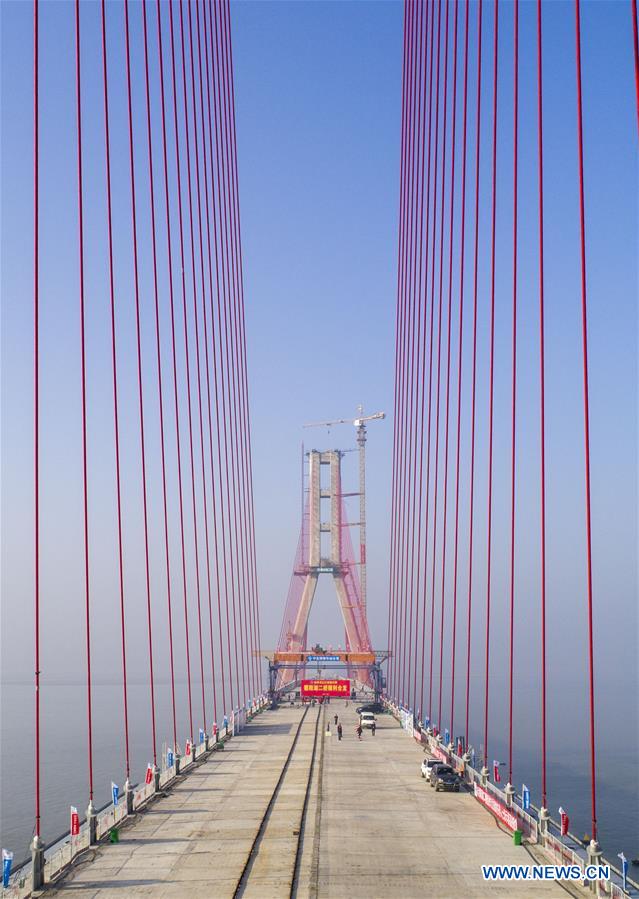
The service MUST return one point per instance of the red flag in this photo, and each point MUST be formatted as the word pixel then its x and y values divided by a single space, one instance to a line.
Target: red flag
pixel 496 774
pixel 149 774
pixel 75 822
pixel 188 747
pixel 565 822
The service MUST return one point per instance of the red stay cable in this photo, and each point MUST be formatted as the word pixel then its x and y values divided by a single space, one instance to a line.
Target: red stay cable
pixel 207 542
pixel 176 404
pixel 85 478
pixel 206 352
pixel 414 699
pixel 413 380
pixel 430 368
pixel 635 46
pixel 424 270
pixel 239 483
pixel 116 416
pixel 542 406
pixel 139 372
pixel 230 381
pixel 474 376
pixel 421 339
pixel 158 355
pixel 36 400
pixel 492 382
pixel 584 337
pixel 448 354
pixel 440 323
pixel 430 352
pixel 245 433
pixel 398 308
pixel 462 256
pixel 408 250
pixel 221 269
pixel 514 388
pixel 402 388
pixel 208 45
pixel 187 353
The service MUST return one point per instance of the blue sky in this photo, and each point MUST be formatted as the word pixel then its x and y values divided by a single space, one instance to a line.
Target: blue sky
pixel 318 92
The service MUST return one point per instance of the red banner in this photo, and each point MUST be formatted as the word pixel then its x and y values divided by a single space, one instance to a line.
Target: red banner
pixel 314 688
pixel 75 822
pixel 496 807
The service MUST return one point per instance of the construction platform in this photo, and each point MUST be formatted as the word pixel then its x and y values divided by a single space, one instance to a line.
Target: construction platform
pixel 286 810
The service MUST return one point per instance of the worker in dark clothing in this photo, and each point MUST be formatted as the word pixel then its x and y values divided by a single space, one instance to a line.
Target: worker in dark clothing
pixel 373 728
pixel 358 731
pixel 335 719
pixel 339 731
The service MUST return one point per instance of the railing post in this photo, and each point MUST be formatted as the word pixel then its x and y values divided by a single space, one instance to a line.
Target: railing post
pixel 128 792
pixel 593 855
pixel 156 778
pixel 37 862
pixel 92 823
pixel 510 792
pixel 484 776
pixel 543 824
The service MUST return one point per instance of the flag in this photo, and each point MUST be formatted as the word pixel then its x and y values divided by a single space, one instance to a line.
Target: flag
pixel 201 736
pixel 7 861
pixel 525 797
pixel 496 774
pixel 565 822
pixel 188 748
pixel 624 870
pixel 149 774
pixel 447 736
pixel 115 792
pixel 473 758
pixel 460 747
pixel 169 758
pixel 75 822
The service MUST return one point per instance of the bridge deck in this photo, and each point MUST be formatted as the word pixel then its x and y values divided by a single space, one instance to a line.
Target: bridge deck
pixel 374 829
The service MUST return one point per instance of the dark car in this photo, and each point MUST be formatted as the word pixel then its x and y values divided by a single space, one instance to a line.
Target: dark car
pixel 443 777
pixel 375 707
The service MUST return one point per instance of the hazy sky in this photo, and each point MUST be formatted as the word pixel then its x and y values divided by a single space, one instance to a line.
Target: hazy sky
pixel 318 93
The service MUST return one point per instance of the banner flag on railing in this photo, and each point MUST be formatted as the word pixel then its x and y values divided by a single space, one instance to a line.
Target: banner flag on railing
pixel 496 774
pixel 565 822
pixel 115 792
pixel 7 861
pixel 149 774
pixel 447 736
pixel 201 736
pixel 624 870
pixel 187 751
pixel 75 822
pixel 525 797
pixel 169 758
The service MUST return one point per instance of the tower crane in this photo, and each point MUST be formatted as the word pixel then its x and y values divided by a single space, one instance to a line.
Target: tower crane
pixel 360 424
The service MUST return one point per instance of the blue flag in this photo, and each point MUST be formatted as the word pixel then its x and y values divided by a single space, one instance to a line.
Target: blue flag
pixel 447 736
pixel 115 792
pixel 624 869
pixel 169 758
pixel 7 861
pixel 201 735
pixel 472 759
pixel 525 797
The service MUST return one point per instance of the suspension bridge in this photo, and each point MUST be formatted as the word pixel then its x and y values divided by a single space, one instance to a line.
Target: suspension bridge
pixel 250 788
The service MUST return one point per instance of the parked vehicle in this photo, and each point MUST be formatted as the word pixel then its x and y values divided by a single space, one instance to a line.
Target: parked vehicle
pixel 443 777
pixel 376 707
pixel 427 767
pixel 367 719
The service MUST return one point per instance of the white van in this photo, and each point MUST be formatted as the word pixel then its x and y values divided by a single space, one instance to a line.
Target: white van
pixel 367 719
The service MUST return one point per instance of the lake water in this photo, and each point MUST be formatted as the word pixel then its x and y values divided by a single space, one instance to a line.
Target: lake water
pixel 64 769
